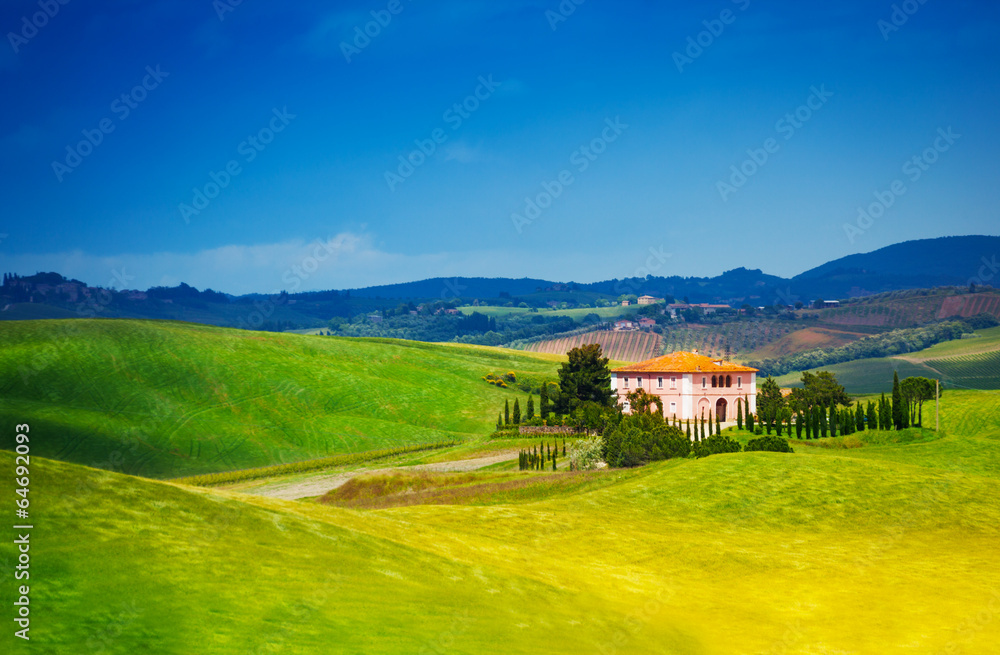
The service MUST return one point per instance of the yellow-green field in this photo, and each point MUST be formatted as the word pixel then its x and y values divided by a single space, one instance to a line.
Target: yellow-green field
pixel 888 548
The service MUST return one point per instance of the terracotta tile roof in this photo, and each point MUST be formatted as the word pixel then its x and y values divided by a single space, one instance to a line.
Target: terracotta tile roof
pixel 683 362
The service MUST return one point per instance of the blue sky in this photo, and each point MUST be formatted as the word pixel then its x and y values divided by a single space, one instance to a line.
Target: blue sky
pixel 549 84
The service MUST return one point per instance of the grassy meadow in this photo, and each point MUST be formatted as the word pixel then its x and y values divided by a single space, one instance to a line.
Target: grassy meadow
pixel 876 542
pixel 889 547
pixel 163 399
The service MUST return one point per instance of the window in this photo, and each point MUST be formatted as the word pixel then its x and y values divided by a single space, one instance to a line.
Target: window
pixel 714 382
pixel 673 382
pixel 626 383
pixel 659 383
pixel 739 382
pixel 673 409
pixel 638 383
pixel 729 380
pixel 704 382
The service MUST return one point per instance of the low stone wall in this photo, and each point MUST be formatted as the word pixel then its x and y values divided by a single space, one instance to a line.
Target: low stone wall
pixel 546 429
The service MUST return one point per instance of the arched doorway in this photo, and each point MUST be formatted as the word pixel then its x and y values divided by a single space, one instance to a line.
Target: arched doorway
pixel 720 409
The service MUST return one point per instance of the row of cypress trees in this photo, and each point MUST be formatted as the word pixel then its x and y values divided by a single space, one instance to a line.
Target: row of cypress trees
pixel 537 459
pixel 702 429
pixel 507 418
pixel 818 421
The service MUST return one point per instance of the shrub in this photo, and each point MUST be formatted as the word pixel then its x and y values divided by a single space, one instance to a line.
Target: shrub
pixel 586 453
pixel 716 445
pixel 642 438
pixel 768 444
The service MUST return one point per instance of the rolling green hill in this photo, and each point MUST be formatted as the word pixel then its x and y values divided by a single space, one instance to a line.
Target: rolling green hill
pixel 969 363
pixel 165 399
pixel 880 549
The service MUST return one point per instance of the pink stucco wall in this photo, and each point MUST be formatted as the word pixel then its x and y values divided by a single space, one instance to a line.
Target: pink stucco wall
pixel 685 396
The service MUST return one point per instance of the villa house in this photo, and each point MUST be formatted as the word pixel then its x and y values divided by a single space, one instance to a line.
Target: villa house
pixel 689 385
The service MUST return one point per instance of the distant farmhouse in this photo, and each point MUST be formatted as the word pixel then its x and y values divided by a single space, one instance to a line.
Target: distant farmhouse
pixel 650 300
pixel 706 308
pixel 689 385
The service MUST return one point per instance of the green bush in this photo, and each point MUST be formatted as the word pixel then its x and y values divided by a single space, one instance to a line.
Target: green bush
pixel 642 438
pixel 768 444
pixel 717 444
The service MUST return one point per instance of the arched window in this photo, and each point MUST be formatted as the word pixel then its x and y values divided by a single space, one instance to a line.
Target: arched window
pixel 729 380
pixel 714 381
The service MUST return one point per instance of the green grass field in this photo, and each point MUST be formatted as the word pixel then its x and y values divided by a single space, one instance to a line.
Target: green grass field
pixel 891 545
pixel 981 341
pixel 864 376
pixel 167 399
pixel 884 548
pixel 972 363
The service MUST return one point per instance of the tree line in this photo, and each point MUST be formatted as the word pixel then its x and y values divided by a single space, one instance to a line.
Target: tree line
pixel 881 345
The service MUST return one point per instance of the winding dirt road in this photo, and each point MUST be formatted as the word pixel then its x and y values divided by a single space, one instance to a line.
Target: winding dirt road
pixel 320 484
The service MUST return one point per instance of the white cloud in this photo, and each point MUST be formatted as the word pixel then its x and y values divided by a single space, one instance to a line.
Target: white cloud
pixel 347 260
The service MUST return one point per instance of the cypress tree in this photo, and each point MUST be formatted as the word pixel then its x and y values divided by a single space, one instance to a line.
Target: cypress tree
pixel 543 402
pixel 701 435
pixel 833 420
pixel 778 424
pixel 564 446
pixel 718 425
pixel 531 407
pixel 516 417
pixel 506 413
pixel 897 403
pixel 750 420
pixel 798 425
pixel 710 423
pixel 687 422
pixel 821 416
pixel 739 414
pixel 807 419
pixel 499 421
pixel 872 417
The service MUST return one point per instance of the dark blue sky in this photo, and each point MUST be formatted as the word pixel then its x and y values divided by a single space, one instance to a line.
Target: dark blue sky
pixel 661 179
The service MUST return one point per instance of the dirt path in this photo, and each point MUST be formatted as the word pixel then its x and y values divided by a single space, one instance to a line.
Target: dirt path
pixel 319 485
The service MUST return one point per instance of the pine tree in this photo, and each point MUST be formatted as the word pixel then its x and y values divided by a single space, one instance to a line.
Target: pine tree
pixel 531 407
pixel 897 403
pixel 885 418
pixel 543 402
pixel 506 413
pixel 739 414
pixel 516 417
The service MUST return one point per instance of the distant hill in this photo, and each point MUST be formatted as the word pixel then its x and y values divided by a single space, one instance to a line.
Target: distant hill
pixel 919 264
pixel 922 264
